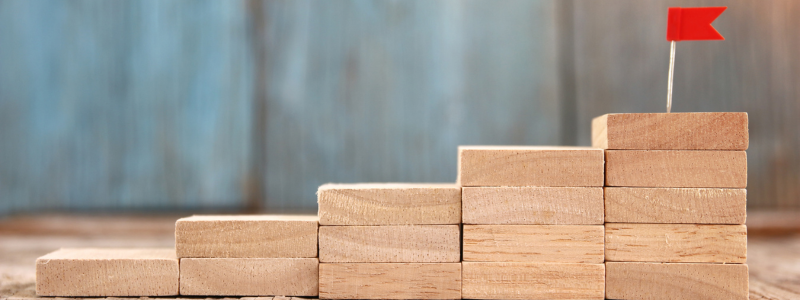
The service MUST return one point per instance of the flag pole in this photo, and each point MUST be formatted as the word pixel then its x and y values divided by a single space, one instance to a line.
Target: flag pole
pixel 671 71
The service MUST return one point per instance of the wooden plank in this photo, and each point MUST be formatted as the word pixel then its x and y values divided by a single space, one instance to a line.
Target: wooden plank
pixel 534 243
pixel 243 236
pixel 249 276
pixel 518 280
pixel 676 243
pixel 385 244
pixel 88 272
pixel 656 281
pixel 532 205
pixel 389 204
pixel 671 131
pixel 675 205
pixel 676 168
pixel 530 166
pixel 390 281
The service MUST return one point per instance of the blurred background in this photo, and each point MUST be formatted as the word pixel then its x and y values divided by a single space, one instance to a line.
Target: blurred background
pixel 163 106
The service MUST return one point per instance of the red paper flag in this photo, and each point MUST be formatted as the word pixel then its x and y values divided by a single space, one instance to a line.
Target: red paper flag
pixel 693 23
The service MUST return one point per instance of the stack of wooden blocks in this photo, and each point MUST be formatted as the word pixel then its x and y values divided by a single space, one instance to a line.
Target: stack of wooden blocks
pixel 654 210
pixel 247 255
pixel 675 202
pixel 389 241
pixel 533 222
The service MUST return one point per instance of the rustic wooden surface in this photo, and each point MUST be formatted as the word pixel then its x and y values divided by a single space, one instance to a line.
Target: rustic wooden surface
pixel 773 247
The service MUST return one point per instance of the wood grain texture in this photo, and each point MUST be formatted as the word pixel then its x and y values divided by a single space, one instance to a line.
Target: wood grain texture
pixel 87 272
pixel 530 166
pixel 390 244
pixel 249 276
pixel 532 205
pixel 657 281
pixel 390 281
pixel 675 205
pixel 534 243
pixel 389 204
pixel 671 131
pixel 242 236
pixel 517 280
pixel 676 168
pixel 676 243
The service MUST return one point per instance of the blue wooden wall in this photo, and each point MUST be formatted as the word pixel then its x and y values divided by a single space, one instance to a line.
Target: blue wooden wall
pixel 123 104
pixel 185 105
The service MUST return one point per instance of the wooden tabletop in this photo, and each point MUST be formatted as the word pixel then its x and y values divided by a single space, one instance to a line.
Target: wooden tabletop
pixel 773 246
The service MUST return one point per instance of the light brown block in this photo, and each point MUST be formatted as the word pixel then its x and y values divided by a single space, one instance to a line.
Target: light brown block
pixel 393 244
pixel 530 166
pixel 533 205
pixel 671 131
pixel 518 280
pixel 390 281
pixel 249 276
pixel 676 168
pixel 676 205
pixel 246 236
pixel 534 243
pixel 389 204
pixel 676 243
pixel 657 281
pixel 90 272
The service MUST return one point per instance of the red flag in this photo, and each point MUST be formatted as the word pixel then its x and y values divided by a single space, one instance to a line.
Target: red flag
pixel 693 23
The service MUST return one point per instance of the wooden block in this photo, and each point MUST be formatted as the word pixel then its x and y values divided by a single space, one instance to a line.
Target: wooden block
pixel 521 280
pixel 90 272
pixel 529 166
pixel 676 205
pixel 249 276
pixel 396 243
pixel 390 281
pixel 676 168
pixel 676 243
pixel 246 236
pixel 671 131
pixel 534 243
pixel 656 281
pixel 389 204
pixel 533 205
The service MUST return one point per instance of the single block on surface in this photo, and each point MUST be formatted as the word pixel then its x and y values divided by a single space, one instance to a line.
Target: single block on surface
pixel 530 166
pixel 249 276
pixel 389 204
pixel 389 244
pixel 675 205
pixel 92 272
pixel 390 281
pixel 676 168
pixel 671 131
pixel 666 281
pixel 534 243
pixel 246 236
pixel 676 243
pixel 525 280
pixel 532 205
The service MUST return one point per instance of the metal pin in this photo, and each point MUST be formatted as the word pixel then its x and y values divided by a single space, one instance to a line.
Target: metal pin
pixel 671 71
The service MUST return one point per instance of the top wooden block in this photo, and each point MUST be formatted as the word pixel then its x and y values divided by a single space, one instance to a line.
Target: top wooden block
pixel 389 204
pixel 671 131
pixel 247 236
pixel 530 166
